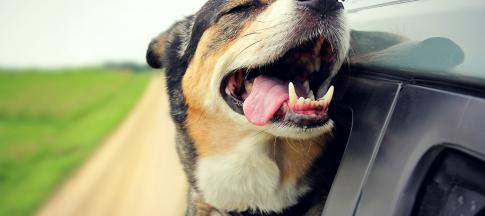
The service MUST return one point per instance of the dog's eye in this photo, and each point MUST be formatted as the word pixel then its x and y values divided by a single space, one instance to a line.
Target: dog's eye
pixel 239 9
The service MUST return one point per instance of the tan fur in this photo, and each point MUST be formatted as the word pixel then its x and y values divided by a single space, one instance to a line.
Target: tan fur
pixel 234 3
pixel 215 133
pixel 159 44
pixel 237 165
pixel 266 1
pixel 200 71
pixel 206 127
pixel 203 209
pixel 294 157
pixel 215 136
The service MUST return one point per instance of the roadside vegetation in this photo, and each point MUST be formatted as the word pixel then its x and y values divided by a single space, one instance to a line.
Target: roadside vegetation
pixel 50 121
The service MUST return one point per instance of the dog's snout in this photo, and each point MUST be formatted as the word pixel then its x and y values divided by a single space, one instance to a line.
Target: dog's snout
pixel 322 6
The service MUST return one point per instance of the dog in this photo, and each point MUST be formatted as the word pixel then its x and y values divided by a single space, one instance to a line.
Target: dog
pixel 249 83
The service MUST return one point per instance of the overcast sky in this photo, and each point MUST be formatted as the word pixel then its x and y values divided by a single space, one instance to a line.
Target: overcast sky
pixel 53 33
pixel 46 33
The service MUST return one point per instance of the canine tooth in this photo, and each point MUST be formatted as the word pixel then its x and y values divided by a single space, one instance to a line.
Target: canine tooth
pixel 292 93
pixel 328 96
pixel 311 95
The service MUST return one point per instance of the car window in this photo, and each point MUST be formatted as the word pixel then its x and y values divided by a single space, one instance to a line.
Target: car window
pixel 430 37
pixel 353 5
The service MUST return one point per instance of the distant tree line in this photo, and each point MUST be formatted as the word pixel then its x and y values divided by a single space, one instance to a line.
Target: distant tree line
pixel 135 67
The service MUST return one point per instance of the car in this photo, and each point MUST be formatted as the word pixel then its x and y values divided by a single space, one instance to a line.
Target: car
pixel 410 110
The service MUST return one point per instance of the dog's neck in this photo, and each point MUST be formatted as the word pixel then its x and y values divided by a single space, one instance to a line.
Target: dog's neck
pixel 240 169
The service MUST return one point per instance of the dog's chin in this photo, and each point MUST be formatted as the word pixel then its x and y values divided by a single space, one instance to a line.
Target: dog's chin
pixel 294 132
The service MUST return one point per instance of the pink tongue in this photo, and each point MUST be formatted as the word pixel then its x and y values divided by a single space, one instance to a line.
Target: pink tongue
pixel 265 99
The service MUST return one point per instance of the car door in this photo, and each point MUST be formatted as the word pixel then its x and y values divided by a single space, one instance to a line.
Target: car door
pixel 415 85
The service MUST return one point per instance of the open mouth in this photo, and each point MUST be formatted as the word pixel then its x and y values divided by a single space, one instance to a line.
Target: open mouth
pixel 285 91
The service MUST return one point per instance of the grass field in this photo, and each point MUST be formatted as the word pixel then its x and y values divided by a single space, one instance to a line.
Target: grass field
pixel 50 121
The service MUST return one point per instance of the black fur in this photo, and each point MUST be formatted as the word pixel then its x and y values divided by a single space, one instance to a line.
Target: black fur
pixel 183 38
pixel 152 59
pixel 206 16
pixel 175 68
pixel 186 32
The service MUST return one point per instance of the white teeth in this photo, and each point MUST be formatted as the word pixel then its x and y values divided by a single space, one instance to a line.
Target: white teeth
pixel 296 101
pixel 292 94
pixel 311 95
pixel 301 101
pixel 328 97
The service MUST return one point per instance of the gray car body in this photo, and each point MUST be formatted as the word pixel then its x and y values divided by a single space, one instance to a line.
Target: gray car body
pixel 422 91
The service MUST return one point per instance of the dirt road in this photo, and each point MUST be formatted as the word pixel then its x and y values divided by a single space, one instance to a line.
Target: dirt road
pixel 134 172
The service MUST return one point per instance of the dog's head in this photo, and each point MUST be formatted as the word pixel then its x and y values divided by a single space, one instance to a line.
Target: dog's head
pixel 260 64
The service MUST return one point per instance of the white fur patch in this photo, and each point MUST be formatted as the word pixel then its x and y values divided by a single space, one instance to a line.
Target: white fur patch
pixel 246 178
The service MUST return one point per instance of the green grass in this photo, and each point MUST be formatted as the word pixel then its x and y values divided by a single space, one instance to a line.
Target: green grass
pixel 50 122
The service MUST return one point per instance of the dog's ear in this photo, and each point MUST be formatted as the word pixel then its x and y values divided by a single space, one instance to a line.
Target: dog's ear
pixel 174 41
pixel 156 50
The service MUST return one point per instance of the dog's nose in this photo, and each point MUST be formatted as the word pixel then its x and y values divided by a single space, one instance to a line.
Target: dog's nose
pixel 322 6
